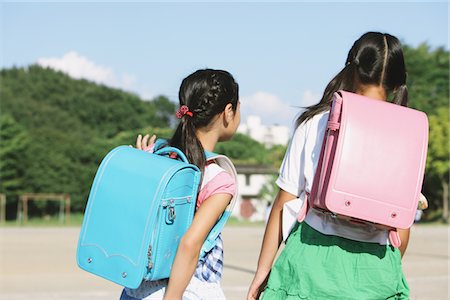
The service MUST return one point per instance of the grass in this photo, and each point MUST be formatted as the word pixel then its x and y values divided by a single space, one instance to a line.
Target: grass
pixel 76 219
pixel 49 221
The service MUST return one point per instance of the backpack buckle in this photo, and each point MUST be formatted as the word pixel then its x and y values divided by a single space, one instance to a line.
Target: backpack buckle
pixel 171 214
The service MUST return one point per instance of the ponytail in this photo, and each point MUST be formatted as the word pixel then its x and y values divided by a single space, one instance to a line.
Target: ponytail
pixel 400 95
pixel 186 140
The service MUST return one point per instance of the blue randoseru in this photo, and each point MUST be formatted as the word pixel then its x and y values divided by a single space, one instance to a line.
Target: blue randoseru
pixel 139 207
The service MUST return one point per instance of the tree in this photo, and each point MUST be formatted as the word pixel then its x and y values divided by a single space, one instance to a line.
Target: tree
pixel 428 86
pixel 69 126
pixel 428 77
pixel 13 142
pixel 242 148
pixel 438 153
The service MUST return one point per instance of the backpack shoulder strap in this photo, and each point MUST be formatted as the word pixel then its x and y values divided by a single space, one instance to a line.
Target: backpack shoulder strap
pixel 160 143
pixel 228 166
pixel 225 163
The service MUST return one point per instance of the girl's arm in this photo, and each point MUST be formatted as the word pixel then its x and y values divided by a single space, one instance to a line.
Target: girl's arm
pixel 404 237
pixel 271 242
pixel 190 245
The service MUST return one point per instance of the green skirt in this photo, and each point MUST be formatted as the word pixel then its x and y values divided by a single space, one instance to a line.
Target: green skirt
pixel 317 266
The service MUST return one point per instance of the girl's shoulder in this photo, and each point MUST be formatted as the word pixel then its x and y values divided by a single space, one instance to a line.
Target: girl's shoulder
pixel 311 127
pixel 316 120
pixel 216 175
pixel 215 180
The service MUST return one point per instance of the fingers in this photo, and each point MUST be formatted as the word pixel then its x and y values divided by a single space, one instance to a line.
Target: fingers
pixel 139 142
pixel 151 144
pixel 251 295
pixel 144 143
pixel 253 292
pixel 152 140
pixel 423 202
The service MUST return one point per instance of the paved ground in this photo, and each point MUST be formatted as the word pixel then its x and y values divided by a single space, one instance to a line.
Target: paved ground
pixel 39 263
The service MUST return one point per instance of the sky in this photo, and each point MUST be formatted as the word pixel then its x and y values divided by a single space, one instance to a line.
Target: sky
pixel 282 54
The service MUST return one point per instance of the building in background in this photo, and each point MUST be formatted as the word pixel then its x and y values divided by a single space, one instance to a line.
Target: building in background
pixel 252 179
pixel 268 135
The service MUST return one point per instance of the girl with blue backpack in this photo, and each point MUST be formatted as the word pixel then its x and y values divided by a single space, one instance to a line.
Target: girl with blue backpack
pixel 326 257
pixel 209 112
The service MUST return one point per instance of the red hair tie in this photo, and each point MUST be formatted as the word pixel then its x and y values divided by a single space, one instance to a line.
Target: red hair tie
pixel 183 110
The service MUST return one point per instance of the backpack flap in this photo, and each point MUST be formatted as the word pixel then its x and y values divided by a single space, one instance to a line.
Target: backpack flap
pixel 120 220
pixel 375 173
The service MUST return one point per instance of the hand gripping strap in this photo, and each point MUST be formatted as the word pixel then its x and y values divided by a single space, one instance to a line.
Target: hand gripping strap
pixel 228 166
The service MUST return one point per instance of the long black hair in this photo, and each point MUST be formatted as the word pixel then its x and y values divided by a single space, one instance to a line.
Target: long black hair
pixel 374 59
pixel 206 93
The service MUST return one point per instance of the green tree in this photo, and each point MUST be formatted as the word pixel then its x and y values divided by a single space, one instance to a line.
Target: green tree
pixel 70 125
pixel 13 142
pixel 428 77
pixel 428 86
pixel 438 162
pixel 243 149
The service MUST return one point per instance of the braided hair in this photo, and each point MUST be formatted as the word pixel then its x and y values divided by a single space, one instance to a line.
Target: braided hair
pixel 206 93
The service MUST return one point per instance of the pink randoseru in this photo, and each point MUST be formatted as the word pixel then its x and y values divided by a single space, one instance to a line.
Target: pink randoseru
pixel 373 162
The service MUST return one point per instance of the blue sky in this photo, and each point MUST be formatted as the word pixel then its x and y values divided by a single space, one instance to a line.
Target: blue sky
pixel 281 54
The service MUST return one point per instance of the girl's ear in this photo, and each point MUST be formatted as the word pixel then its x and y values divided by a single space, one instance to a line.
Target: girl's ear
pixel 229 113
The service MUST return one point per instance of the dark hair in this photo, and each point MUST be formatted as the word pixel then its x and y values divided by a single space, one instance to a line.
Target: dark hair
pixel 206 93
pixel 374 59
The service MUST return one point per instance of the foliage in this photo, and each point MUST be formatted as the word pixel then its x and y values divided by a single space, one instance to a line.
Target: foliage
pixel 438 149
pixel 55 130
pixel 428 77
pixel 13 142
pixel 428 85
pixel 438 164
pixel 269 191
pixel 242 148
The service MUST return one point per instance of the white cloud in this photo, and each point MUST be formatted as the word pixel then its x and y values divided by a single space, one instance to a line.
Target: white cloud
pixel 269 107
pixel 78 66
pixel 273 110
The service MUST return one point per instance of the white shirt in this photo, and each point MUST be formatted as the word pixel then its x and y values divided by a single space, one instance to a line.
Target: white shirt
pixel 296 176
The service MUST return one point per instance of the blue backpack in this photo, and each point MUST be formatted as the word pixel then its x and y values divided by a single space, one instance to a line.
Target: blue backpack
pixel 139 207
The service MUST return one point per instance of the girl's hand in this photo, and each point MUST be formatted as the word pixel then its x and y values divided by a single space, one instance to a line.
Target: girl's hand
pixel 423 202
pixel 143 143
pixel 258 285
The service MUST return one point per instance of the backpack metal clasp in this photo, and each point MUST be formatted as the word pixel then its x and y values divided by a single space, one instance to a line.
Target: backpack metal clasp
pixel 171 215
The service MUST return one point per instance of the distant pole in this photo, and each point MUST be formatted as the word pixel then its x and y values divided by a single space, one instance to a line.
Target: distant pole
pixel 445 201
pixel 2 208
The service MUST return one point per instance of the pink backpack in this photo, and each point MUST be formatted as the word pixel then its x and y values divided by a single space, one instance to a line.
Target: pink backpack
pixel 371 164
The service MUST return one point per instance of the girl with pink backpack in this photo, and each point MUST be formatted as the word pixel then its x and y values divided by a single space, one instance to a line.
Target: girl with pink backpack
pixel 327 257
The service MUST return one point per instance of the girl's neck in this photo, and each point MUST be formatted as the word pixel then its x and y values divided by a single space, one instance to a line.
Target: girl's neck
pixel 208 138
pixel 373 91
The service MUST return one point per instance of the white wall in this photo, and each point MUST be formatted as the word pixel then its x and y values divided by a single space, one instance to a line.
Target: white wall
pixel 268 135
